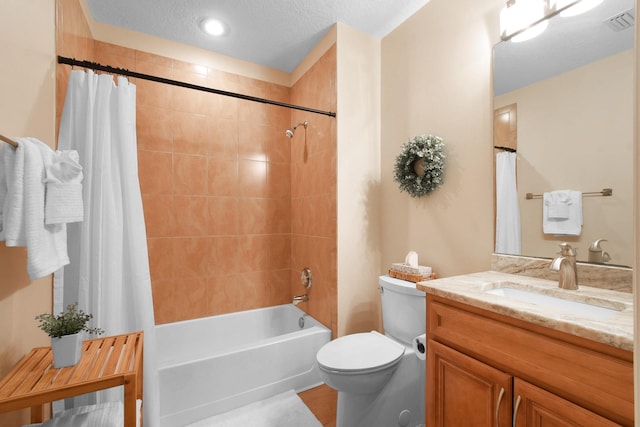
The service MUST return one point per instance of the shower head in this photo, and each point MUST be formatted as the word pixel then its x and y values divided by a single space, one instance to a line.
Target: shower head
pixel 289 132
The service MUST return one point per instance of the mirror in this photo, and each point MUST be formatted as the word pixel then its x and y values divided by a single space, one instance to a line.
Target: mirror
pixel 573 91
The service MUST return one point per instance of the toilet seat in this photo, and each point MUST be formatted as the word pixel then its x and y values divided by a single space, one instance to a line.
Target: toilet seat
pixel 360 353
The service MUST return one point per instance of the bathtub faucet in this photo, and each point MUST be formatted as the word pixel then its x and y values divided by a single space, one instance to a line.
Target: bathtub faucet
pixel 300 298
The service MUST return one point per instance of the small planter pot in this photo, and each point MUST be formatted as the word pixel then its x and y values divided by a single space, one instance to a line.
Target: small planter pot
pixel 66 350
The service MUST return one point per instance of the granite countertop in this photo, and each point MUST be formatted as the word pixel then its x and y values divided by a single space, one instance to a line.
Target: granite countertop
pixel 615 330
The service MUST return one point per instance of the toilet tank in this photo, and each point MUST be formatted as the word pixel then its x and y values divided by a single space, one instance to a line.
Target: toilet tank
pixel 403 309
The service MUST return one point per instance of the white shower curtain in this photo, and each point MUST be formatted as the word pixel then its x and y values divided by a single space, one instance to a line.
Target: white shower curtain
pixel 109 271
pixel 507 208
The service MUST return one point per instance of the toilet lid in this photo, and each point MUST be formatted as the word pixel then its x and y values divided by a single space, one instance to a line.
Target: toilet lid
pixel 359 352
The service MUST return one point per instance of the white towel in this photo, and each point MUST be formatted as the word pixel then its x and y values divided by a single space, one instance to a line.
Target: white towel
pixel 562 212
pixel 558 204
pixel 24 218
pixel 63 204
pixel 13 206
pixel 3 187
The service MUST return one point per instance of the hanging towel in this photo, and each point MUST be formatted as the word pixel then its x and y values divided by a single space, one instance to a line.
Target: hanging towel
pixel 558 204
pixel 508 234
pixel 562 212
pixel 13 204
pixel 63 203
pixel 3 187
pixel 24 219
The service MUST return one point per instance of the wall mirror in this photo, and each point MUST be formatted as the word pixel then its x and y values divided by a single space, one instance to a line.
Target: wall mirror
pixel 572 87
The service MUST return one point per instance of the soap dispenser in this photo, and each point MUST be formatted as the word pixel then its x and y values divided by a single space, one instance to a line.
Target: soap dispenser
pixel 596 254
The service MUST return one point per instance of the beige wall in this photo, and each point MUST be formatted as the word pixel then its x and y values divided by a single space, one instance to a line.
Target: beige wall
pixel 436 74
pixel 358 181
pixel 591 124
pixel 636 219
pixel 27 85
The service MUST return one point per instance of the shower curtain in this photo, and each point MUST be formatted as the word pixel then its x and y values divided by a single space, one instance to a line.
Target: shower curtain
pixel 109 271
pixel 507 208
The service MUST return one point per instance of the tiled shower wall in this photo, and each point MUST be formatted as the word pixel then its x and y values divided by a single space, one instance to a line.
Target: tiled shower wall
pixel 314 189
pixel 220 181
pixel 215 182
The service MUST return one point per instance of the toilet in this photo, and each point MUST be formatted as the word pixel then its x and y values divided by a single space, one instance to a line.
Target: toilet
pixel 379 378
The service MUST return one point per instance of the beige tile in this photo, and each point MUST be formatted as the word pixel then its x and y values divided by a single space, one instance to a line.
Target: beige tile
pixel 189 174
pixel 154 128
pixel 159 214
pixel 154 172
pixel 190 257
pixel 191 216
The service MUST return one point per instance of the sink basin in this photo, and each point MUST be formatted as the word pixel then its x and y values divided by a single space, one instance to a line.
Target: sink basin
pixel 577 308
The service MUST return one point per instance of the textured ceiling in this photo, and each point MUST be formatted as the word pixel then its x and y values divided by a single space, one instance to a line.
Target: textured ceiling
pixel 275 33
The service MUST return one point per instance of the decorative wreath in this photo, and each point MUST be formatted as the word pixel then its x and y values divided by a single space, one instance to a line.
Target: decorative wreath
pixel 419 167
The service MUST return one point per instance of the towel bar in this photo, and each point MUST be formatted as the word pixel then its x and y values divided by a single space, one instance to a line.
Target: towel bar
pixel 8 140
pixel 604 192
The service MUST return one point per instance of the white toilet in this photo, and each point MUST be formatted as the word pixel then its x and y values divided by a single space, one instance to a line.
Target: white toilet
pixel 379 378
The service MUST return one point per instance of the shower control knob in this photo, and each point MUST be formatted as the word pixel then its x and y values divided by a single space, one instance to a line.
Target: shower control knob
pixel 306 277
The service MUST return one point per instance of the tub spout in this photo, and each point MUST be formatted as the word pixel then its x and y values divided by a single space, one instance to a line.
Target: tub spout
pixel 300 298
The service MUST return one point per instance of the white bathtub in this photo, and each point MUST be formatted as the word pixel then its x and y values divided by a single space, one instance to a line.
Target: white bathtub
pixel 214 364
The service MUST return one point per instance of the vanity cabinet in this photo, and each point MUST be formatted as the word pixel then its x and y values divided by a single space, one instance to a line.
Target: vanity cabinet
pixel 534 406
pixel 465 392
pixel 484 367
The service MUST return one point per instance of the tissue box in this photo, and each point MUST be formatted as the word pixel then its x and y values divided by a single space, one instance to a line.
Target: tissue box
pixel 406 268
pixel 411 274
pixel 411 277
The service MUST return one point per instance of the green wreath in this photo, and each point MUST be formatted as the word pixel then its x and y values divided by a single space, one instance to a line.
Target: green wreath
pixel 419 167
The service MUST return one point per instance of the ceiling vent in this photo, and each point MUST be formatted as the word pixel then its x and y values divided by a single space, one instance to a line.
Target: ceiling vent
pixel 621 21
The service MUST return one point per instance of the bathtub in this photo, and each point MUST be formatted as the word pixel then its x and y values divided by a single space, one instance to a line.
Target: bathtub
pixel 212 365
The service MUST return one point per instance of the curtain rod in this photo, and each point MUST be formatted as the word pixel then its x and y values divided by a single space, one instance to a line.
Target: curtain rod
pixel 510 150
pixel 128 73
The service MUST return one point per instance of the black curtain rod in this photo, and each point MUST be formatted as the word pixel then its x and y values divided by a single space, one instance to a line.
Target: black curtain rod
pixel 511 150
pixel 128 73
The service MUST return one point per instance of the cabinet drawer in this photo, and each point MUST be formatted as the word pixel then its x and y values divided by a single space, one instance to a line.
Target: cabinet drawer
pixel 589 374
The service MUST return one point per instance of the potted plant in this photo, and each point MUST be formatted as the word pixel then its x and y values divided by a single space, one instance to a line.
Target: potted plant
pixel 65 331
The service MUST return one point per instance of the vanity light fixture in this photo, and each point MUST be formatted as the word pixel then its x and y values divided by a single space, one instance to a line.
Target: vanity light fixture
pixel 577 8
pixel 524 19
pixel 213 27
pixel 531 32
pixel 520 16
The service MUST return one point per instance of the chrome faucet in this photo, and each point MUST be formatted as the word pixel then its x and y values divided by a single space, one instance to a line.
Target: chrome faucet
pixel 300 298
pixel 566 265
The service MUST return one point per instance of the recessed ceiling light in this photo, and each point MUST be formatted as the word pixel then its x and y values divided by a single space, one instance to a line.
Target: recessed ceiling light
pixel 213 27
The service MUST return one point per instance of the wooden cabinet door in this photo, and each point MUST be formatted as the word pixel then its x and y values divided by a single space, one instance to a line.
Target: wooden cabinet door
pixel 505 127
pixel 462 391
pixel 535 407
